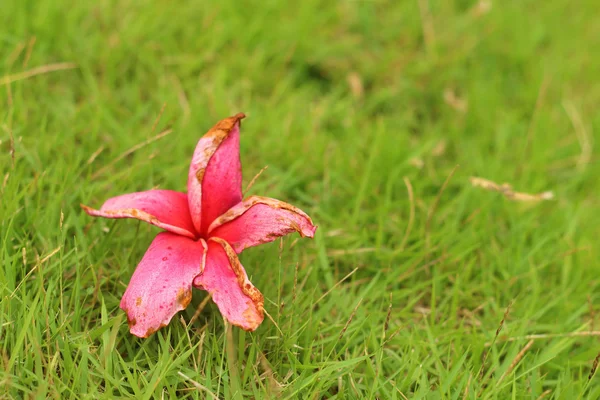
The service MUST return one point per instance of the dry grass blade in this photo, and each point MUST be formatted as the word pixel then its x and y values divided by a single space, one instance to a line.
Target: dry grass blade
pixel 232 363
pixel 386 324
pixel 356 85
pixel 547 336
pixel 38 264
pixel 417 162
pixel 162 110
pixel 200 308
pixel 453 100
pixel 182 98
pixel 295 285
pixel 254 179
pixel 481 8
pixel 53 252
pixel 516 360
pixel 94 155
pixel 507 191
pixel 274 322
pixel 336 285
pixel 466 393
pixel 273 386
pixel 9 97
pixel 534 117
pixel 485 356
pixel 29 51
pixel 349 319
pixel 12 148
pixel 44 69
pixel 591 311
pixel 5 181
pixel 411 217
pixel 427 25
pixel 198 386
pixel 583 136
pixel 435 204
pixel 594 366
pixel 345 252
pixel 14 55
pixel 544 394
pixel 131 151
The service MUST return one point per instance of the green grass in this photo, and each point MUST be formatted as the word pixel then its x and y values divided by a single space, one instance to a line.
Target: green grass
pixel 373 307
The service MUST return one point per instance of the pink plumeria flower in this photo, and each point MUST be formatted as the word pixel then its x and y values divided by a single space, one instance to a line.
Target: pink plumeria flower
pixel 205 230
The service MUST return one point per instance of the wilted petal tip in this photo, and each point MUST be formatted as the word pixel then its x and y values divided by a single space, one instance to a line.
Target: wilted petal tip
pixel 215 169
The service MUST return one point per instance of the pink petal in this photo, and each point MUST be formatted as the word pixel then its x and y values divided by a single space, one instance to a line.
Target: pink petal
pixel 216 172
pixel 164 208
pixel 259 220
pixel 225 279
pixel 162 282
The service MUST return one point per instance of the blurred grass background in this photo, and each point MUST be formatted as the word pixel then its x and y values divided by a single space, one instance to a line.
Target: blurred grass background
pixel 362 110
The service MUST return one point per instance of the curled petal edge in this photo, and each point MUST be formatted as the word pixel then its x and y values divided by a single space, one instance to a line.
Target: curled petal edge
pixel 134 213
pixel 281 218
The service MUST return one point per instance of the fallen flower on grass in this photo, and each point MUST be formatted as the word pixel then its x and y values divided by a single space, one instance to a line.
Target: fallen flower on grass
pixel 205 230
pixel 508 192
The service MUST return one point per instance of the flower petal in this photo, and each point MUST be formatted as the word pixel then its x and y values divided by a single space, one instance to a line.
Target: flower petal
pixel 164 208
pixel 162 282
pixel 215 170
pixel 259 220
pixel 225 279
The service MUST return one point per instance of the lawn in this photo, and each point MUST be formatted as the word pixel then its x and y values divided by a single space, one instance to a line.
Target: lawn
pixel 372 116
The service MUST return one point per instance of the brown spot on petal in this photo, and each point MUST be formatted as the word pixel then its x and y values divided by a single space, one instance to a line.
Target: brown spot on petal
pixel 227 214
pixel 200 174
pixel 150 331
pixel 217 138
pixel 252 319
pixel 131 321
pixel 138 301
pixel 184 297
pixel 297 228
